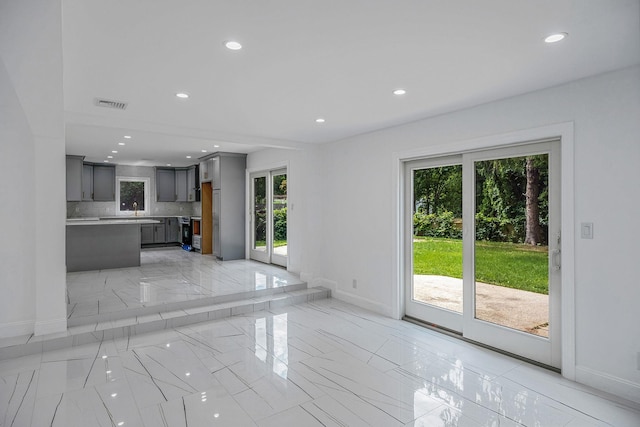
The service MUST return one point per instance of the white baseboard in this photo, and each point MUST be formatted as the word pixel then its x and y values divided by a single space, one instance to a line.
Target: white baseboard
pixel 608 383
pixel 16 329
pixel 363 302
pixel 50 326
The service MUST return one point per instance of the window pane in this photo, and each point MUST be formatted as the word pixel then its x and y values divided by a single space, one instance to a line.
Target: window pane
pixel 132 196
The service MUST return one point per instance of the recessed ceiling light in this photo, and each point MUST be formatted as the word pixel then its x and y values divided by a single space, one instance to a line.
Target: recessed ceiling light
pixel 216 146
pixel 553 38
pixel 114 151
pixel 399 92
pixel 204 151
pixel 168 164
pixel 232 45
pixel 188 157
pixel 121 143
pixel 127 137
pixel 182 95
pixel 320 120
pixel 109 157
pixel 106 161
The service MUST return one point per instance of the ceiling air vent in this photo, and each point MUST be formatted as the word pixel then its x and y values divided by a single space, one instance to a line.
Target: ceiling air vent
pixel 118 105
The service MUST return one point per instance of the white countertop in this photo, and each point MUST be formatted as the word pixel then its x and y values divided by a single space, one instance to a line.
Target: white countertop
pixel 93 221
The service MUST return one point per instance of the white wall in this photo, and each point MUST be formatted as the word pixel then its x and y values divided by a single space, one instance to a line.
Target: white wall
pixel 356 235
pixel 606 115
pixel 32 168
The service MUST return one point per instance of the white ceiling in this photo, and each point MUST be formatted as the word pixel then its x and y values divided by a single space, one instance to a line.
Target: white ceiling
pixel 303 59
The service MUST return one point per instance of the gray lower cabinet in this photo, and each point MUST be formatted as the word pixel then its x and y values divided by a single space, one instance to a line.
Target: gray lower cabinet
pixel 159 233
pixel 104 183
pixel 146 234
pixel 172 230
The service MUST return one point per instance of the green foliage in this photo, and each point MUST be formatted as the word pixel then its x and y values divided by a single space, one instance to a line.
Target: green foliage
pixel 438 190
pixel 280 224
pixel 436 225
pixel 500 199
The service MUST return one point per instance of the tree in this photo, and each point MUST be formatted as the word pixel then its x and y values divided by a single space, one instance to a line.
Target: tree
pixel 533 234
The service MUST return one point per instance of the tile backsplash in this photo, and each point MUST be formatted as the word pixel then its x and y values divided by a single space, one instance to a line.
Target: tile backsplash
pixel 101 209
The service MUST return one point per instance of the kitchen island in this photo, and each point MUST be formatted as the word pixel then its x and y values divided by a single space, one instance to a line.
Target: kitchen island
pixel 94 244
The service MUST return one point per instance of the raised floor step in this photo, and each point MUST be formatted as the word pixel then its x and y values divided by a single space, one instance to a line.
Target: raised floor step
pixel 140 324
pixel 180 305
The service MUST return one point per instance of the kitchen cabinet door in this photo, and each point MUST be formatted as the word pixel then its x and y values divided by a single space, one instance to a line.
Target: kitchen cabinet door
pixel 191 184
pixel 181 185
pixel 146 234
pixel 87 182
pixel 159 232
pixel 172 230
pixel 104 183
pixel 74 178
pixel 165 185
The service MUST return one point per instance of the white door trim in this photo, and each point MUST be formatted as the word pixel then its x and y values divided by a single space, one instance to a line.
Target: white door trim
pixel 564 132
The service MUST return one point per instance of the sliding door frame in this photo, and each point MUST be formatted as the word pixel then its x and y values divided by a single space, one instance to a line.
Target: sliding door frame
pixel 563 132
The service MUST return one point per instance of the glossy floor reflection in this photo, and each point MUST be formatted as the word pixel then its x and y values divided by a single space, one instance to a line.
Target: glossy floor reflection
pixel 167 275
pixel 325 363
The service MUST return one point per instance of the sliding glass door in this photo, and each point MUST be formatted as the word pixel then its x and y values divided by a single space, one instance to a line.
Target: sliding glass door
pixel 269 217
pixel 484 242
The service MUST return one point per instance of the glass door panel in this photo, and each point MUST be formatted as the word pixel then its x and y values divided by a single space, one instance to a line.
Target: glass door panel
pixel 511 248
pixel 260 213
pixel 435 215
pixel 279 217
pixel 259 218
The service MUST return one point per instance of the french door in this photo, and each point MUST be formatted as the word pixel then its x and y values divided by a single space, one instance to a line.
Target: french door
pixel 269 217
pixel 482 233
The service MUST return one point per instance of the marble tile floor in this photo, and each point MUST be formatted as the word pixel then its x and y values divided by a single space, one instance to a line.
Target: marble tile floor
pixel 168 276
pixel 324 363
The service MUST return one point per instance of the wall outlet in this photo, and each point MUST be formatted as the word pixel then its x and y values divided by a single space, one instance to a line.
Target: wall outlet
pixel 77 208
pixel 354 284
pixel 181 208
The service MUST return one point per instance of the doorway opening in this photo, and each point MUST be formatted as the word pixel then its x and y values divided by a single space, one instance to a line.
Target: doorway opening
pixel 269 240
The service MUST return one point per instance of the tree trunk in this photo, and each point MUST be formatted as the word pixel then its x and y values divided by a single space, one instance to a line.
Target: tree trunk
pixel 533 234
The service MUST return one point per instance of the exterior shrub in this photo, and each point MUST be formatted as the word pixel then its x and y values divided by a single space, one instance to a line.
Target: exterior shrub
pixel 436 225
pixel 280 224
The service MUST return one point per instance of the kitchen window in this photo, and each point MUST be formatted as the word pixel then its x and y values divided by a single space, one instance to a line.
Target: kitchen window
pixel 132 196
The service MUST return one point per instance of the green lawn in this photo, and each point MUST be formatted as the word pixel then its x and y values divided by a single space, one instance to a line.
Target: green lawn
pixel 505 264
pixel 276 243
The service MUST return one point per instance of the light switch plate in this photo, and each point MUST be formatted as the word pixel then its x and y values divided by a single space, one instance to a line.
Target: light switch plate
pixel 586 230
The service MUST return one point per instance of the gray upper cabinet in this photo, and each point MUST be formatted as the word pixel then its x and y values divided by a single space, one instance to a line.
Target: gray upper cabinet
pixel 165 185
pixel 104 183
pixel 191 184
pixel 74 178
pixel 181 185
pixel 87 182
